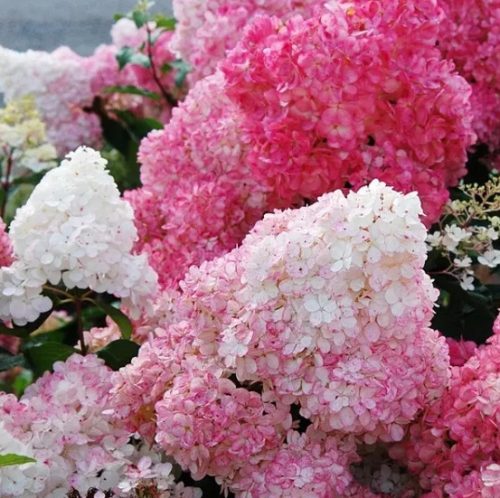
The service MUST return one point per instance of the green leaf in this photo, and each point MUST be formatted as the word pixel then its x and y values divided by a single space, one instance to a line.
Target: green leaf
pixel 8 361
pixel 122 320
pixel 123 56
pixel 132 90
pixel 166 68
pixel 14 331
pixel 166 23
pixel 116 134
pixel 65 334
pixel 13 459
pixel 127 55
pixel 140 18
pixel 21 382
pixel 17 198
pixel 119 353
pixel 25 330
pixel 463 314
pixel 43 356
pixel 117 17
pixel 139 127
pixel 30 178
pixel 140 60
pixel 182 68
pixel 2 196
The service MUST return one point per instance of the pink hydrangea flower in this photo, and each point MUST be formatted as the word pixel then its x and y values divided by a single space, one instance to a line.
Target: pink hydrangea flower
pixel 469 35
pixel 98 337
pixel 325 302
pixel 212 427
pixel 66 423
pixel 454 447
pixel 207 29
pixel 141 384
pixel 309 464
pixel 460 351
pixel 353 93
pixel 288 132
pixel 326 307
pixel 198 199
pixel 60 418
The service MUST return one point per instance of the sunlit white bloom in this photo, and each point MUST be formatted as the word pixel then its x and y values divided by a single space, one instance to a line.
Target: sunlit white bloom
pixel 490 258
pixel 74 229
pixel 453 236
pixel 467 281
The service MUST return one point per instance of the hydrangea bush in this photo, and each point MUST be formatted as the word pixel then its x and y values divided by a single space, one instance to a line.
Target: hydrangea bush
pixel 252 251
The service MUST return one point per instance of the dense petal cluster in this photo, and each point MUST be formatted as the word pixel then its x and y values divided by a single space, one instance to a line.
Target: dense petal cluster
pixel 460 351
pixel 330 304
pixel 60 84
pixel 326 307
pixel 198 198
pixel 212 427
pixel 74 229
pixel 63 421
pixel 455 447
pixel 285 124
pixel 65 84
pixel 309 464
pixel 20 480
pixel 470 36
pixel 356 92
pixel 207 29
pixel 23 143
pixel 140 385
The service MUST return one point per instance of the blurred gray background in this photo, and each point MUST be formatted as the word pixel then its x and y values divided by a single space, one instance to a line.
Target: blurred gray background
pixel 48 24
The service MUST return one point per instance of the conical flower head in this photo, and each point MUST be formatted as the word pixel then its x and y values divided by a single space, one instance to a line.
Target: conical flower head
pixel 74 228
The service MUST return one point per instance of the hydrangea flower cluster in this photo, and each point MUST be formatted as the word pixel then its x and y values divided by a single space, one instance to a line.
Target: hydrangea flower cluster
pixel 198 198
pixel 309 464
pixel 469 35
pixel 74 229
pixel 63 421
pixel 327 307
pixel 23 141
pixel 60 85
pixel 65 84
pixel 282 126
pixel 213 427
pixel 274 334
pixel 356 92
pixel 207 29
pixel 454 448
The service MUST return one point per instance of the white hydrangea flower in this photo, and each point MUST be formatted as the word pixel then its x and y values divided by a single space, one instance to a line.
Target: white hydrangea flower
pixel 125 33
pixel 363 251
pixel 74 228
pixel 26 480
